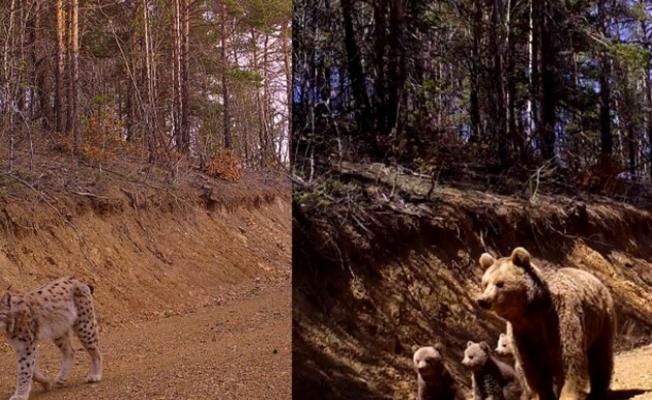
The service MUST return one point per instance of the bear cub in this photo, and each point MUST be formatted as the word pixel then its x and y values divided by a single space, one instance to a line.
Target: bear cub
pixel 434 380
pixel 503 349
pixel 492 378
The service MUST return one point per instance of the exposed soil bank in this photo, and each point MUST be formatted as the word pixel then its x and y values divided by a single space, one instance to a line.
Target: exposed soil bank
pixel 376 273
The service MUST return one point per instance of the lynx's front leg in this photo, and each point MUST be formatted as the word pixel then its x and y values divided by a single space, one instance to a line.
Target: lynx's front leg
pixel 40 377
pixel 26 354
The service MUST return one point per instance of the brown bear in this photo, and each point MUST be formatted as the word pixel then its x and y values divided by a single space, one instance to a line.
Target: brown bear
pixel 504 349
pixel 561 324
pixel 492 378
pixel 434 380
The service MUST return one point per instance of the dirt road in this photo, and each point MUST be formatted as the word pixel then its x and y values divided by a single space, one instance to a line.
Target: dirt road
pixel 237 350
pixel 633 374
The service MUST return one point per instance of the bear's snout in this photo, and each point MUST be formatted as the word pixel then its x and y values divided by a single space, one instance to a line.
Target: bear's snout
pixel 483 303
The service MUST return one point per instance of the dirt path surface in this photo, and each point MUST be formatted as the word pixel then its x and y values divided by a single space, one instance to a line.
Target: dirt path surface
pixel 633 374
pixel 237 350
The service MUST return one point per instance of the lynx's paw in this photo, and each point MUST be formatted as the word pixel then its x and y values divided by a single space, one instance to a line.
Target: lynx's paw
pixel 47 385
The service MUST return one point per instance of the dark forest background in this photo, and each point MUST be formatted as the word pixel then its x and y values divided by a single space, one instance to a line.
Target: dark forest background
pixel 562 88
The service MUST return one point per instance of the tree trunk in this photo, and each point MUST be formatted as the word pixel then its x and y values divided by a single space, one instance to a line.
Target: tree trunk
pixel 73 114
pixel 380 38
pixel 8 88
pixel 396 64
pixel 499 108
pixel 606 138
pixel 547 63
pixel 185 76
pixel 287 62
pixel 514 132
pixel 631 136
pixel 60 72
pixel 260 108
pixel 151 109
pixel 648 90
pixel 475 68
pixel 354 66
pixel 41 70
pixel 131 103
pixel 228 141
pixel 530 70
pixel 267 148
pixel 182 145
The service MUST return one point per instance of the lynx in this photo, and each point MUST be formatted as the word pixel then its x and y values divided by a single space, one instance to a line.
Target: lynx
pixel 51 311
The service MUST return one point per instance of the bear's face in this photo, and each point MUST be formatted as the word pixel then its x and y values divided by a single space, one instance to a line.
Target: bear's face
pixel 503 348
pixel 505 284
pixel 428 360
pixel 476 355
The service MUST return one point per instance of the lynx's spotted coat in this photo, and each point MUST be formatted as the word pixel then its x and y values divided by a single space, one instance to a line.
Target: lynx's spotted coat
pixel 51 311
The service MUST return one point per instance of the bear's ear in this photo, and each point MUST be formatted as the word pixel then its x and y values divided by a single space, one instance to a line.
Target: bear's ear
pixel 484 346
pixel 469 344
pixel 415 347
pixel 521 257
pixel 439 347
pixel 486 260
pixel 502 335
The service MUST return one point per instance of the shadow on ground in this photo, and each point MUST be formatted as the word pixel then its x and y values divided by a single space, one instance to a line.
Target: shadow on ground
pixel 626 394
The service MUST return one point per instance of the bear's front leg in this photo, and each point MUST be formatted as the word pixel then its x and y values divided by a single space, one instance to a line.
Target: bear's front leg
pixel 477 391
pixel 537 379
pixel 574 359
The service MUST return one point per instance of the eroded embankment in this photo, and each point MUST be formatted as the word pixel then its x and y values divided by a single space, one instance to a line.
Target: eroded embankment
pixel 375 275
pixel 148 250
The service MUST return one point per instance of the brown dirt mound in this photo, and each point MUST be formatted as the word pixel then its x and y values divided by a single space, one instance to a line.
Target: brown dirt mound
pixel 375 274
pixel 146 243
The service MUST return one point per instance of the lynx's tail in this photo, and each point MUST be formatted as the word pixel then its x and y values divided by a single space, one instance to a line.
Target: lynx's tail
pixel 81 284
